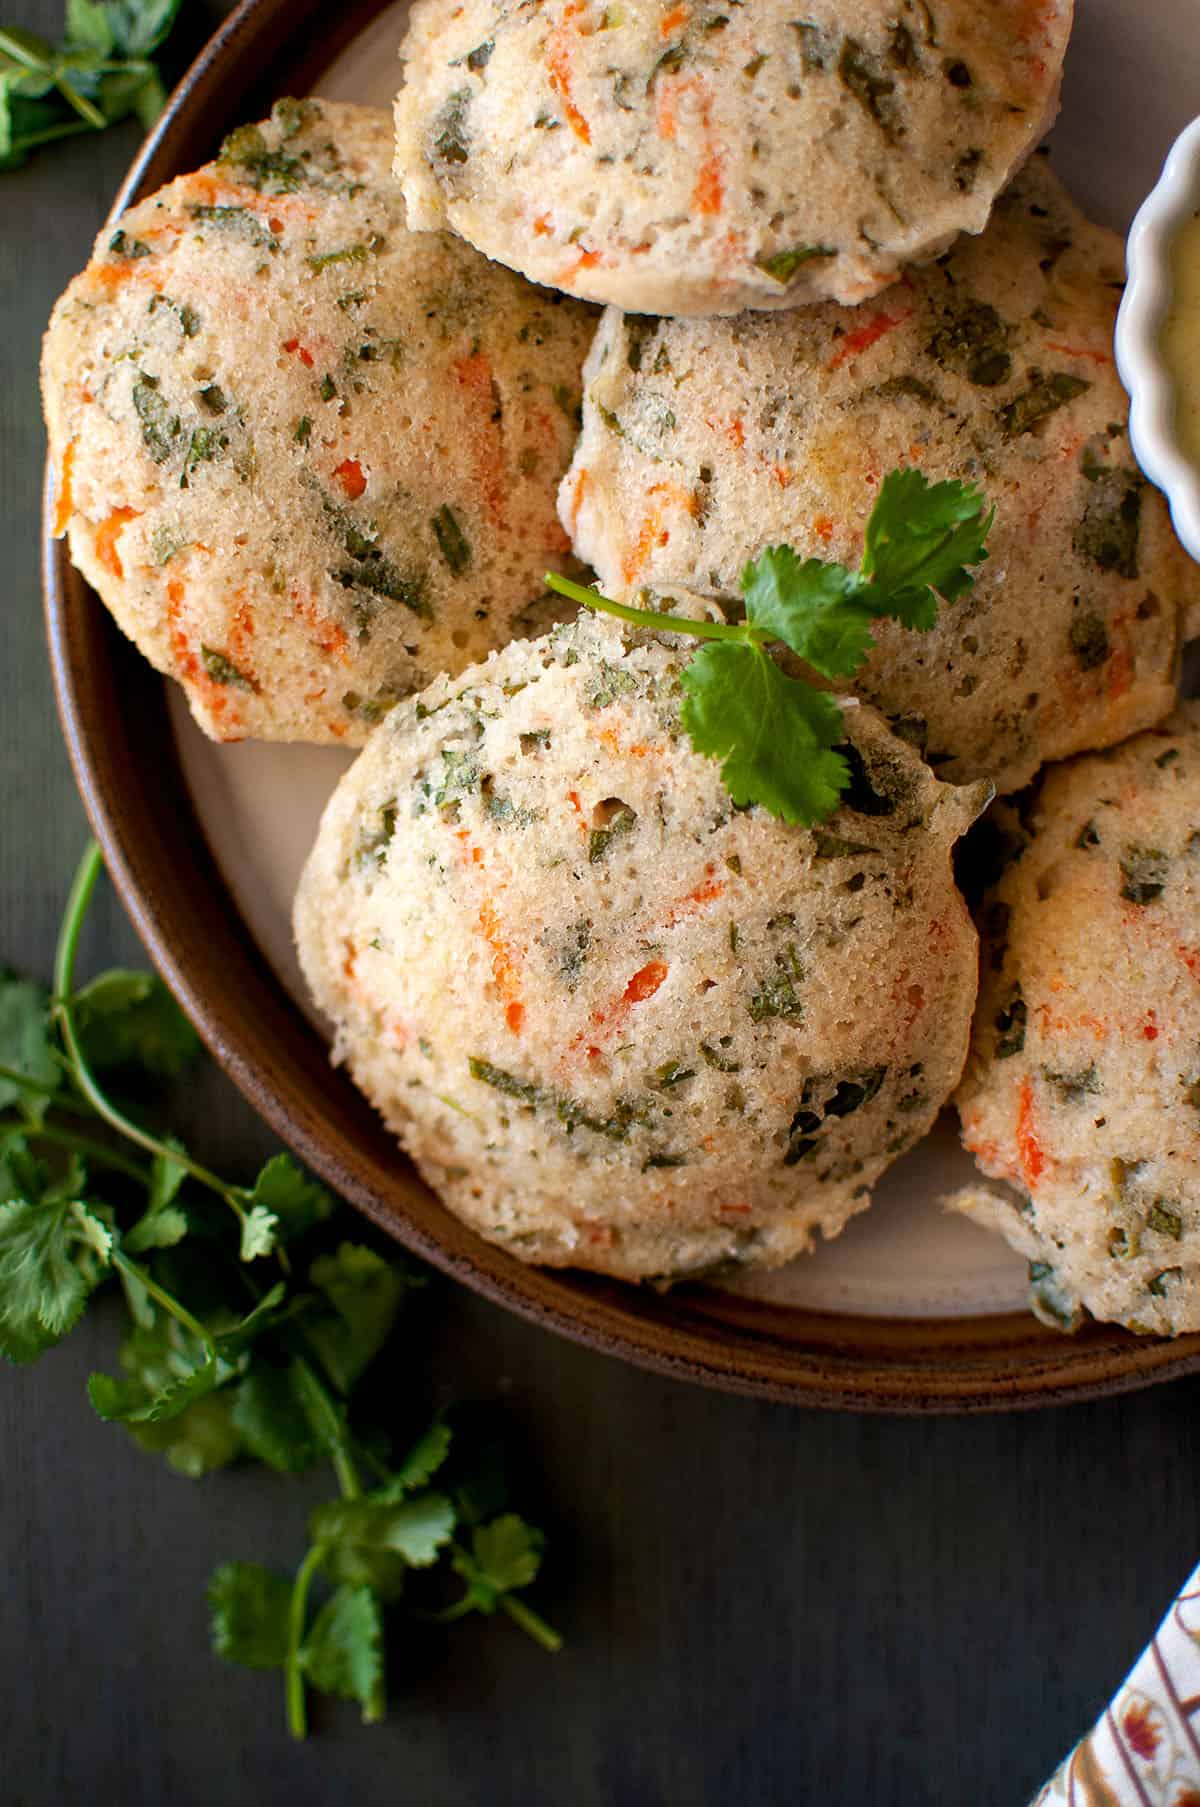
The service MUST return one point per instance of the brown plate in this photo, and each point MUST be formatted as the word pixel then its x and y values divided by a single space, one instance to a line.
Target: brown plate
pixel 114 715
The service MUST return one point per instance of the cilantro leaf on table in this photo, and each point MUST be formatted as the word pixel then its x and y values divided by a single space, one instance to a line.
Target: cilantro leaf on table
pixel 343 1652
pixel 775 734
pixel 269 1416
pixel 130 1019
pixel 29 1072
pixel 52 1251
pixel 101 73
pixel 251 1319
pixel 250 1605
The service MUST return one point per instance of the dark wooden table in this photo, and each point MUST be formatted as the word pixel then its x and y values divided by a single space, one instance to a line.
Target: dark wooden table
pixel 761 1605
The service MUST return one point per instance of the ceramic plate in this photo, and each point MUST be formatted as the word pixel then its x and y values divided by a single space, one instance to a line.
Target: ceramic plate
pixel 911 1308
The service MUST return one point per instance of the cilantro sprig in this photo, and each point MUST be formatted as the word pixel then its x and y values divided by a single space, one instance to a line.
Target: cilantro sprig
pixel 253 1313
pixel 101 72
pixel 775 735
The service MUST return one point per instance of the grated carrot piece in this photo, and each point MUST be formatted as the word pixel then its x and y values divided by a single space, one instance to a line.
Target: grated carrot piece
pixel 107 535
pixel 1033 1156
pixel 558 63
pixel 349 474
pixel 63 506
pixel 863 337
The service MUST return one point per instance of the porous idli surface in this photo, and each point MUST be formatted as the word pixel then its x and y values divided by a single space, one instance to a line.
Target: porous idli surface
pixel 1082 1090
pixel 682 159
pixel 617 1022
pixel 306 457
pixel 706 440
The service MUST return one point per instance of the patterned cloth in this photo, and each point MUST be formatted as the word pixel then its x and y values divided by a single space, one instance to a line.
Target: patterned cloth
pixel 1144 1751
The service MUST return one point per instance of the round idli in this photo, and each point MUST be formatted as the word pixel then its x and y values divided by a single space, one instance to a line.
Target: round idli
pixel 306 457
pixel 617 1022
pixel 1082 1090
pixel 705 441
pixel 681 159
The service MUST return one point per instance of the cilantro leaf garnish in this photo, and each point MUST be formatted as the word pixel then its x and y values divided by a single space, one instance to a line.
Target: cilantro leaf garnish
pixel 252 1319
pixel 775 734
pixel 767 730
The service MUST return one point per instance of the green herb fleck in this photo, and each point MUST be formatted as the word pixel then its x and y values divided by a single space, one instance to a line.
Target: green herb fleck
pixel 160 427
pixel 1089 640
pixel 453 543
pixel 449 141
pixel 1009 1023
pixel 121 245
pixel 1143 874
pixel 781 266
pixel 1107 533
pixel 222 670
pixel 1044 396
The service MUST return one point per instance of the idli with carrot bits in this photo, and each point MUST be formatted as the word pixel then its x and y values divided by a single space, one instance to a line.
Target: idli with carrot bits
pixel 1082 1090
pixel 307 457
pixel 618 1023
pixel 673 158
pixel 705 440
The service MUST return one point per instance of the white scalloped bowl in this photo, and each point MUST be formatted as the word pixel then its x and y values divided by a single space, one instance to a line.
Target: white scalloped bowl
pixel 1140 360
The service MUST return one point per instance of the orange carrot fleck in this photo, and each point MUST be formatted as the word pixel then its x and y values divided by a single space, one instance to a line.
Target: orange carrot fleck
pixel 349 474
pixel 63 506
pixel 1081 351
pixel 645 982
pixel 587 260
pixel 672 21
pixel 707 891
pixel 558 63
pixel 576 498
pixel 823 527
pixel 504 966
pixel 1033 1157
pixel 708 196
pixel 474 377
pixel 649 536
pixel 305 356
pixel 107 535
pixel 541 226
pixel 1150 1027
pixel 863 337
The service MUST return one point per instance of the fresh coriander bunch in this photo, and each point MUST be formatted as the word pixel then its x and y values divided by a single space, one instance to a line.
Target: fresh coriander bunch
pixel 252 1317
pixel 775 735
pixel 101 72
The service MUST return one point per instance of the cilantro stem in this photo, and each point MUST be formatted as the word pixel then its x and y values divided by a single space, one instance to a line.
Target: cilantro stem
pixel 671 624
pixel 79 897
pixel 15 1077
pixel 94 1150
pixel 532 1622
pixel 161 1297
pixel 10 46
pixel 330 1428
pixel 297 1708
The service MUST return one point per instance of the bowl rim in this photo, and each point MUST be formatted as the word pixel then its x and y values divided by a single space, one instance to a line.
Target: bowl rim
pixel 112 707
pixel 1140 362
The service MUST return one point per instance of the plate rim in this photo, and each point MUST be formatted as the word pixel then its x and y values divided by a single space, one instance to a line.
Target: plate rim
pixel 142 813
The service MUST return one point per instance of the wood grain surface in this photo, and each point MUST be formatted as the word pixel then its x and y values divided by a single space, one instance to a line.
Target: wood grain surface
pixel 761 1605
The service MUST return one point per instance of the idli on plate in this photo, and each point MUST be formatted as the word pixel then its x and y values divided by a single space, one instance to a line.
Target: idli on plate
pixel 1082 1090
pixel 306 457
pixel 682 159
pixel 705 440
pixel 617 1022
